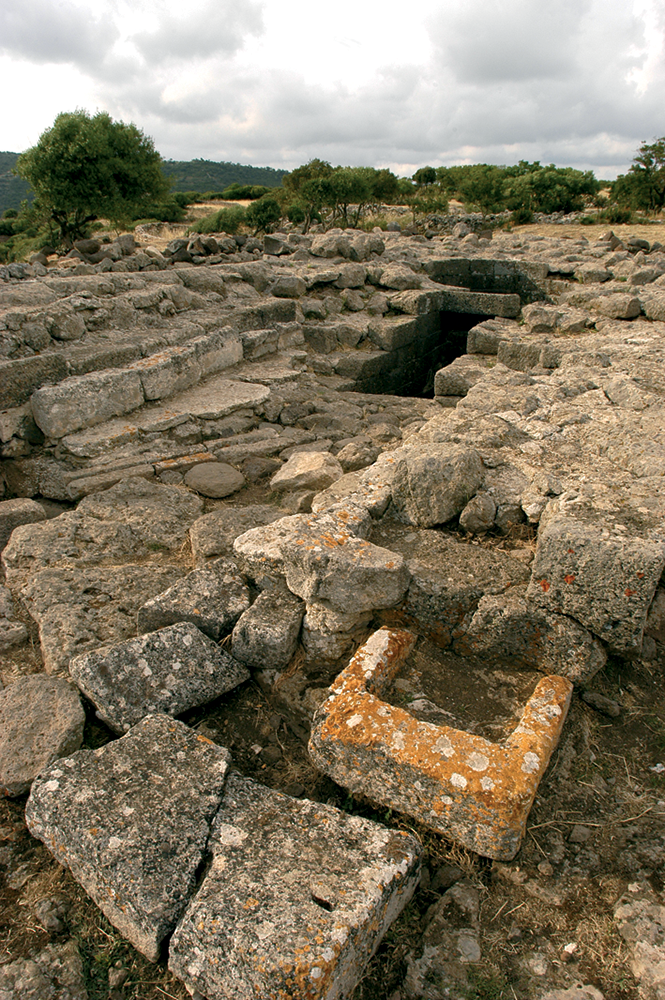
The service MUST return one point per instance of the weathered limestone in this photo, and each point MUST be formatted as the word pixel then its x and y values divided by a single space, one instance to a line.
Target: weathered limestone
pixel 212 598
pixel 307 470
pixel 296 900
pixel 16 512
pixel 640 919
pixel 86 400
pixel 434 482
pixel 598 568
pixel 213 534
pixel 266 634
pixel 215 479
pixel 41 719
pixel 167 671
pixel 131 821
pixel 475 791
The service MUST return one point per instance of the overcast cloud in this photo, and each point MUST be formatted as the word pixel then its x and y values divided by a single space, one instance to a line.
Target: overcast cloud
pixel 575 82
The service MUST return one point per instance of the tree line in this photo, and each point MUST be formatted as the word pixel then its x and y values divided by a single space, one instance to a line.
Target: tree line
pixel 86 168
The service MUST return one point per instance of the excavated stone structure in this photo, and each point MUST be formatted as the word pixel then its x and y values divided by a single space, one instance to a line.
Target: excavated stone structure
pixel 134 385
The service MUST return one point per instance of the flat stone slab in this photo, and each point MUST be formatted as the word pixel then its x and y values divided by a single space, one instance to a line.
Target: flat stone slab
pixel 167 671
pixel 85 400
pixel 217 398
pixel 215 479
pixel 212 598
pixel 477 792
pixel 131 822
pixel 41 719
pixel 213 534
pixel 80 608
pixel 307 470
pixel 296 900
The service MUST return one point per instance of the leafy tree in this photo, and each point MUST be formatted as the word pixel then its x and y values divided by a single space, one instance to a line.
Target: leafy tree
pixel 85 167
pixel 263 214
pixel 481 185
pixel 385 187
pixel 426 175
pixel 643 187
pixel 530 187
pixel 224 220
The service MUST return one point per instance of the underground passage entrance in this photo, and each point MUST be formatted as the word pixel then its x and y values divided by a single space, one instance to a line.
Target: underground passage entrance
pixel 415 370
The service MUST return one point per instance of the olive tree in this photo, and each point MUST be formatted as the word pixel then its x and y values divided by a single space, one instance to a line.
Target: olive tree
pixel 86 167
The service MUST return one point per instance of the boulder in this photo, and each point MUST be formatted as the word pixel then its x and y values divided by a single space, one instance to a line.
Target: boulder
pixel 266 634
pixel 434 482
pixel 212 598
pixel 307 470
pixel 16 512
pixel 213 534
pixel 215 479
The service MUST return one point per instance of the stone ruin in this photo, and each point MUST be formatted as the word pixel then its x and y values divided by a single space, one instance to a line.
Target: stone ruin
pixel 376 386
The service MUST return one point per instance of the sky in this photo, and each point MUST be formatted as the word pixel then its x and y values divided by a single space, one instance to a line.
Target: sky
pixel 379 83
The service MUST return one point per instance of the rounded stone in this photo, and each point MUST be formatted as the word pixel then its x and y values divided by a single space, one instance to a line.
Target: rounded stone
pixel 214 479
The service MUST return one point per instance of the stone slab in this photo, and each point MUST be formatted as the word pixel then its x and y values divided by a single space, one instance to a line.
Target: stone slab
pixel 212 598
pixel 41 719
pixel 131 821
pixel 167 671
pixel 81 608
pixel 213 534
pixel 216 398
pixel 296 900
pixel 85 400
pixel 477 792
pixel 16 512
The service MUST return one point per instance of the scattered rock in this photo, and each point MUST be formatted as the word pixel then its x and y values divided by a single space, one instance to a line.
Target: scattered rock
pixel 212 598
pixel 307 470
pixel 266 635
pixel 214 479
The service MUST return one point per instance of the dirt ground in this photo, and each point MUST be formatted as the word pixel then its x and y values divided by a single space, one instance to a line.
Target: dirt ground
pixel 557 894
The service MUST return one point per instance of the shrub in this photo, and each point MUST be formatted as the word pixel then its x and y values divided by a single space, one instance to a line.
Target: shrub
pixel 521 216
pixel 263 215
pixel 295 213
pixel 615 215
pixel 225 220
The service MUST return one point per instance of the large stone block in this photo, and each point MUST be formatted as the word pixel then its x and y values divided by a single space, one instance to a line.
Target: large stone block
pixel 131 821
pixel 477 792
pixel 598 567
pixel 41 719
pixel 213 534
pixel 433 482
pixel 296 900
pixel 85 400
pixel 266 635
pixel 16 512
pixel 307 470
pixel 167 671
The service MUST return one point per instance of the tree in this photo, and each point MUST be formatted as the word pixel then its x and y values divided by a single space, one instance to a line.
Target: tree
pixel 426 175
pixel 644 184
pixel 84 167
pixel 263 214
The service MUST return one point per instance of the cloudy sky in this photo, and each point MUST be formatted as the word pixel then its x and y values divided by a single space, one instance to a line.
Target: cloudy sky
pixel 374 82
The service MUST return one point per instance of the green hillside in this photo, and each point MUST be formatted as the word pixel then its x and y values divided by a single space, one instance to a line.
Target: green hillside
pixel 208 175
pixel 13 190
pixel 189 175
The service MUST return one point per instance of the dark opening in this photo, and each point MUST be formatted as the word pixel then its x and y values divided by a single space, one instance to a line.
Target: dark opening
pixel 417 374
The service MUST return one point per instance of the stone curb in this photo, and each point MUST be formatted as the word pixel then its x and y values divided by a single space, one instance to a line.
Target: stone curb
pixel 459 784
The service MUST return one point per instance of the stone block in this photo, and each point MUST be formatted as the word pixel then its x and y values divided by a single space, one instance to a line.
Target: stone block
pixel 600 568
pixel 486 336
pixel 217 398
pixel 213 534
pixel 307 470
pixel 266 634
pixel 131 821
pixel 391 333
pixel 86 400
pixel 212 598
pixel 16 512
pixel 434 482
pixel 41 719
pixel 519 354
pixel 477 792
pixel 21 376
pixel 508 627
pixel 296 900
pixel 457 378
pixel 167 671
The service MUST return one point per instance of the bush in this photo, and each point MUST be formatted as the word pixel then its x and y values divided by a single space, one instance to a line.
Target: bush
pixel 263 215
pixel 521 216
pixel 10 213
pixel 616 215
pixel 589 220
pixel 225 220
pixel 295 213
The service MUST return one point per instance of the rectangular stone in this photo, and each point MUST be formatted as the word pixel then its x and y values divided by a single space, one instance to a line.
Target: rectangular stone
pixel 131 822
pixel 170 671
pixel 394 332
pixel 295 902
pixel 483 303
pixel 468 788
pixel 20 377
pixel 217 398
pixel 265 315
pixel 86 400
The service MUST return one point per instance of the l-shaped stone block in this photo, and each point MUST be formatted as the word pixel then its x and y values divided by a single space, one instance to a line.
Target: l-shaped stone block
pixel 475 791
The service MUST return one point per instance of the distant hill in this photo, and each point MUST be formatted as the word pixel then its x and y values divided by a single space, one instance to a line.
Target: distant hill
pixel 208 175
pixel 13 190
pixel 190 175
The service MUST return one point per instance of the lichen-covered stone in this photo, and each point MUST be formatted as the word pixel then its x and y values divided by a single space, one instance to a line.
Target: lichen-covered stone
pixel 214 534
pixel 41 719
pixel 307 470
pixel 212 598
pixel 477 792
pixel 131 822
pixel 168 671
pixel 600 569
pixel 296 900
pixel 266 635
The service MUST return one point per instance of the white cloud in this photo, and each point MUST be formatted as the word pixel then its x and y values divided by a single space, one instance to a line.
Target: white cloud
pixel 44 32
